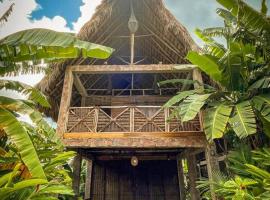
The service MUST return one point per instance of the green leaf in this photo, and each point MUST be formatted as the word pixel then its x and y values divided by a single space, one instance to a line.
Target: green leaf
pixel 60 159
pixel 26 108
pixel 262 104
pixel 6 192
pixel 36 44
pixel 179 97
pixel 192 105
pixel 206 64
pixel 216 120
pixel 243 122
pixel 18 135
pixel 262 83
pixel 56 189
pixel 264 8
pixel 29 183
pixel 176 81
pixel 258 172
pixel 248 16
pixel 34 94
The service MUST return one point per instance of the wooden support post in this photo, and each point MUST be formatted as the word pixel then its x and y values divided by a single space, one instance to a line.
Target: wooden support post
pixel 212 165
pixel 167 115
pixel 76 175
pixel 192 174
pixel 65 103
pixel 181 183
pixel 132 109
pixel 88 179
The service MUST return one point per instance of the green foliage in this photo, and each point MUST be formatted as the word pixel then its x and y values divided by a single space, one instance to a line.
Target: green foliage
pixel 11 126
pixel 241 72
pixel 250 180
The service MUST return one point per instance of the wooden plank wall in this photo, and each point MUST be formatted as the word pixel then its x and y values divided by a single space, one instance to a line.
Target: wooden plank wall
pixel 150 180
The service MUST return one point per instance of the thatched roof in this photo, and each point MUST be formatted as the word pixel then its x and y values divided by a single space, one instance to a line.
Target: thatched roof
pixel 160 38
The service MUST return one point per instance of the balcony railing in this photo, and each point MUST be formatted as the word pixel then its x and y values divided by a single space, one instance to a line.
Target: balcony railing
pixel 127 119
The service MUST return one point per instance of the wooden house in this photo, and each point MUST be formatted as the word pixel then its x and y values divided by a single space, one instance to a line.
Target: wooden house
pixel 110 111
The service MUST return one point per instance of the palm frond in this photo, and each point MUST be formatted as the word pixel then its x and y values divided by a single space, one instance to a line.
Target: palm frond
pixel 4 17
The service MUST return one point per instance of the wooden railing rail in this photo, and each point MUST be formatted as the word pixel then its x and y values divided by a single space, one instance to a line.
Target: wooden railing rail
pixel 127 119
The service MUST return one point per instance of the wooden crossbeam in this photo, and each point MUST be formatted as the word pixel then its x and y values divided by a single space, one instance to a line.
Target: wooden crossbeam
pixel 87 135
pixel 110 69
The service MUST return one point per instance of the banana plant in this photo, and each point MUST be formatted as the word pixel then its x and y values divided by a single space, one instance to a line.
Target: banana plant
pixel 241 73
pixel 16 181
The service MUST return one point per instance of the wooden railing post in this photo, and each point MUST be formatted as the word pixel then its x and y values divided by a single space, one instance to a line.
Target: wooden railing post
pixel 132 119
pixel 65 103
pixel 167 124
pixel 96 119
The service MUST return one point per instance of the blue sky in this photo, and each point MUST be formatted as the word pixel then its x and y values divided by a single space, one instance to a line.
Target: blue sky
pixel 68 9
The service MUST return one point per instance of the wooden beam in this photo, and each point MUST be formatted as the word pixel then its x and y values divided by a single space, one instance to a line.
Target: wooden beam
pixel 219 159
pixel 87 135
pixel 192 174
pixel 78 84
pixel 77 161
pixel 65 103
pixel 88 179
pixel 137 142
pixel 181 182
pixel 108 69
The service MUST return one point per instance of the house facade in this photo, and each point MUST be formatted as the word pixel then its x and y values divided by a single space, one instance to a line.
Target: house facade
pixel 111 111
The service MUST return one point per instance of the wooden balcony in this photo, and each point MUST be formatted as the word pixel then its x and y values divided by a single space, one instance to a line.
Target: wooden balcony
pixel 131 125
pixel 125 122
pixel 127 119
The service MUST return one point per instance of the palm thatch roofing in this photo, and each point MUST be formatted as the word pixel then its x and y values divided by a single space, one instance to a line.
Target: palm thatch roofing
pixel 160 38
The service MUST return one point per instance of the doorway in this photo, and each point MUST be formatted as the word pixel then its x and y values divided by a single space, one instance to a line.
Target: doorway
pixel 149 180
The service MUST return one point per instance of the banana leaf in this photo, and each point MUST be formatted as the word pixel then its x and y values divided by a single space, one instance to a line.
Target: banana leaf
pixel 37 44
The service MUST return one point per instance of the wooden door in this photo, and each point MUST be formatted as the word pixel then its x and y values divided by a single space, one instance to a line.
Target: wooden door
pixel 150 180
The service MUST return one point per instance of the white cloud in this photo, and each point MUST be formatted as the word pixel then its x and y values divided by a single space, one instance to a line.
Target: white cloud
pixel 87 11
pixel 19 18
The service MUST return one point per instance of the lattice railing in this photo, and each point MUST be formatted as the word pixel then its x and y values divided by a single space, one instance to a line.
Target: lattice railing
pixel 127 119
